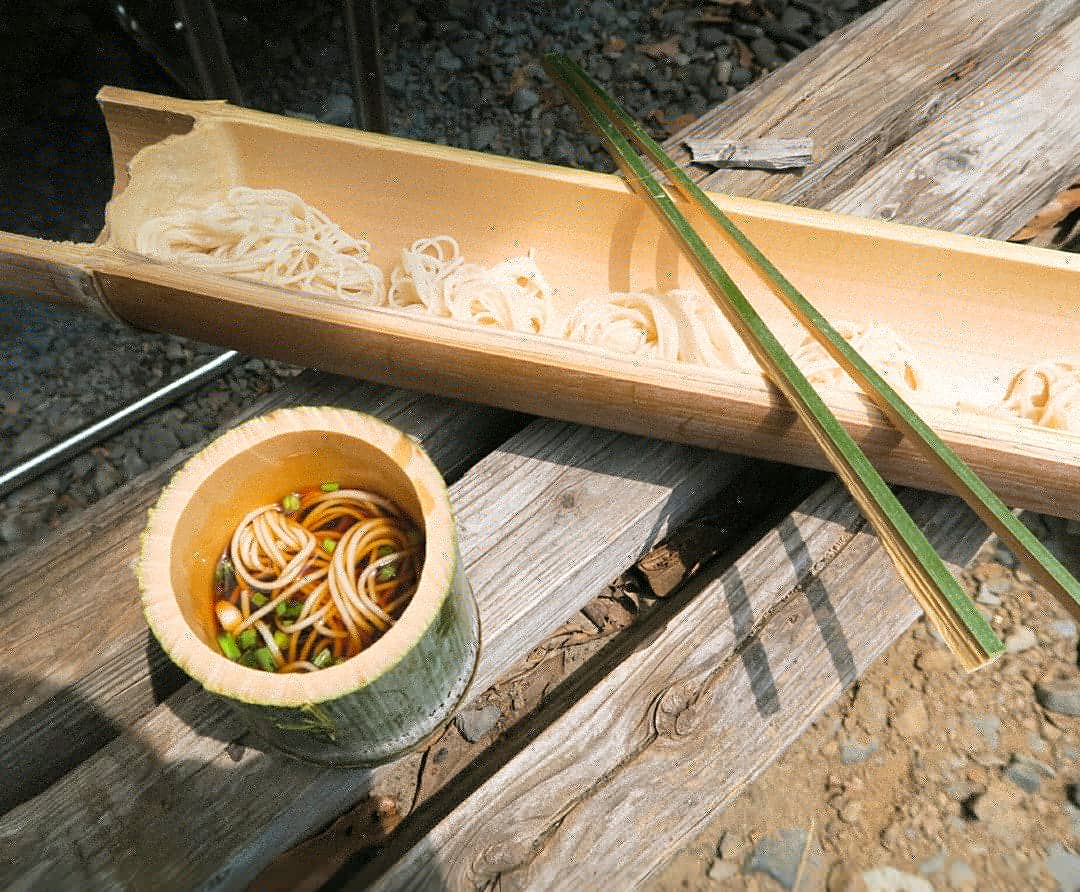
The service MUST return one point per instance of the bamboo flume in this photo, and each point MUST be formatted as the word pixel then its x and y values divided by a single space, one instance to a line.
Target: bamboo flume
pixel 962 626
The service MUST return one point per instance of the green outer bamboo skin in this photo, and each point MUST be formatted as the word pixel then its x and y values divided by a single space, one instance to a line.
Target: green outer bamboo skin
pixel 400 710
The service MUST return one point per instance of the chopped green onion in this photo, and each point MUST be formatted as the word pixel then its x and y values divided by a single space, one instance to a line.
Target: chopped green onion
pixel 265 659
pixel 291 503
pixel 281 607
pixel 387 573
pixel 228 646
pixel 248 639
pixel 330 486
pixel 281 639
pixel 385 550
pixel 293 611
pixel 328 545
pixel 259 599
pixel 248 659
pixel 322 658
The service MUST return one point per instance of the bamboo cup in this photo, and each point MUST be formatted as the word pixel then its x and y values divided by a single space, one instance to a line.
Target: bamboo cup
pixel 394 695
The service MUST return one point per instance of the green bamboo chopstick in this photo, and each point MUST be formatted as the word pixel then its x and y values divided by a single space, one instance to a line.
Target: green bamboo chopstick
pixel 1035 556
pixel 961 624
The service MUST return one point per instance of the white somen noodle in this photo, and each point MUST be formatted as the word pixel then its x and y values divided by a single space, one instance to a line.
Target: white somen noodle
pixel 268 235
pixel 882 348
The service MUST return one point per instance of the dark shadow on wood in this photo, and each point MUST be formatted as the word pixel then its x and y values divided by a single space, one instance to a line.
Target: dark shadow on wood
pixel 832 633
pixel 752 653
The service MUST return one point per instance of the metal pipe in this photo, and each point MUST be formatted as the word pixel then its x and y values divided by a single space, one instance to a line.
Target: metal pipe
pixel 365 61
pixel 48 458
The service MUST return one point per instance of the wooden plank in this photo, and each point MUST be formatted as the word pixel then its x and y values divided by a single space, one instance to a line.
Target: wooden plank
pixel 592 797
pixel 1019 127
pixel 703 703
pixel 867 88
pixel 67 687
pixel 518 509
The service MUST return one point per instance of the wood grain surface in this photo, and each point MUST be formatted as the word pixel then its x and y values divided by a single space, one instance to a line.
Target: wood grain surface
pixel 699 707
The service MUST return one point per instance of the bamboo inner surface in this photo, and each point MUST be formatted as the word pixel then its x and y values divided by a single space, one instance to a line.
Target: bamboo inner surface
pixel 973 319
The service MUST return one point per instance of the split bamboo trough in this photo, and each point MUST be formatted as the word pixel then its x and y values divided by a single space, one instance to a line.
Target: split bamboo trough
pixel 975 311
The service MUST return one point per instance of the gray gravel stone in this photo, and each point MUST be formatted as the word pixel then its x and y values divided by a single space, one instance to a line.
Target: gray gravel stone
pixel 747 30
pixel 132 464
pixel 485 136
pixel 524 99
pixel 721 871
pixel 1003 556
pixel 1063 628
pixel 30 440
pixel 999 585
pixel 1035 765
pixel 1072 813
pixel 1059 696
pixel 474 724
pixel 1024 776
pixel 337 109
pixel 107 479
pixel 1064 866
pixel 740 77
pixel 83 464
pixel 961 875
pixel 934 864
pixel 1020 639
pixel 989 726
pixel 853 753
pixel 796 19
pixel 447 61
pixel 710 38
pixel 764 50
pixel 889 879
pixel 987 597
pixel 779 855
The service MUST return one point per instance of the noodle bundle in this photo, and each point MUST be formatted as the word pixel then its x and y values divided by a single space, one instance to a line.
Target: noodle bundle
pixel 312 580
pixel 266 235
pixel 433 276
pixel 879 345
pixel 631 322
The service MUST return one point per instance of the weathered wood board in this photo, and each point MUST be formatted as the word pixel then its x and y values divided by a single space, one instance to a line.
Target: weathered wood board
pixel 865 90
pixel 702 704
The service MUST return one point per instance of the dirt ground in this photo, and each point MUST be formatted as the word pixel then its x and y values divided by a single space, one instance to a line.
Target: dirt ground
pixel 922 777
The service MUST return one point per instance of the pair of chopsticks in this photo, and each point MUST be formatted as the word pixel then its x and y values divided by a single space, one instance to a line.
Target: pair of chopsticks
pixel 964 629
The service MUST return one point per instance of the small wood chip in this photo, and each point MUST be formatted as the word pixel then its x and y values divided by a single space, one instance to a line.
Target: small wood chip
pixel 753 154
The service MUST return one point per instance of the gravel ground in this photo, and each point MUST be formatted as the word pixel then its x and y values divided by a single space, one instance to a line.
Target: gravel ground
pixel 922 777
pixel 457 72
